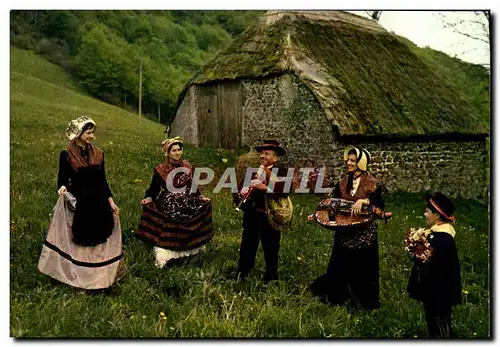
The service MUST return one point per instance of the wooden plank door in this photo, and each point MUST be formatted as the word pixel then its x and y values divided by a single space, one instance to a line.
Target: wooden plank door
pixel 208 119
pixel 230 111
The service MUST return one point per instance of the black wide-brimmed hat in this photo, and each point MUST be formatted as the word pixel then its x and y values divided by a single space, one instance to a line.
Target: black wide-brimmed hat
pixel 273 145
pixel 442 204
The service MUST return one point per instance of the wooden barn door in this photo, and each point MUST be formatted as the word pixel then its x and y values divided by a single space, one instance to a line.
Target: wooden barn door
pixel 220 112
pixel 230 113
pixel 208 119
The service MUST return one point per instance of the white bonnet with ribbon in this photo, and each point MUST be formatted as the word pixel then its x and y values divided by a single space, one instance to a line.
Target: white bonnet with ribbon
pixel 75 127
pixel 363 157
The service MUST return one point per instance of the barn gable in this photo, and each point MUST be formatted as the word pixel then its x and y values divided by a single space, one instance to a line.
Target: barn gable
pixel 366 81
pixel 318 81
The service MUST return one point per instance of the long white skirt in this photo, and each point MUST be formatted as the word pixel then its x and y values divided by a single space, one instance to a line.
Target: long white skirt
pixel 95 267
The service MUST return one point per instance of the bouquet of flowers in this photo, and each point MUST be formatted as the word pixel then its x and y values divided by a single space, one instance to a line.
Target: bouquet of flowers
pixel 417 244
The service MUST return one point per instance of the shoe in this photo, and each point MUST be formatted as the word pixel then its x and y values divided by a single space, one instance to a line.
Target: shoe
pixel 364 305
pixel 269 278
pixel 241 276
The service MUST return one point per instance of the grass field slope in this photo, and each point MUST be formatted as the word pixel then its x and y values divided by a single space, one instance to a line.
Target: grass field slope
pixel 198 298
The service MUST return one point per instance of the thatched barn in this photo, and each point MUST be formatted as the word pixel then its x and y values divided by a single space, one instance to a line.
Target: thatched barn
pixel 319 80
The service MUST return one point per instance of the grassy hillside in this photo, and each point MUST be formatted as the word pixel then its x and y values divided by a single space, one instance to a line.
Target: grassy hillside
pixel 103 50
pixel 198 298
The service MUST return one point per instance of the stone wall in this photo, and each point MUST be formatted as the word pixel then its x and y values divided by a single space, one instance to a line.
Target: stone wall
pixel 451 167
pixel 185 123
pixel 283 108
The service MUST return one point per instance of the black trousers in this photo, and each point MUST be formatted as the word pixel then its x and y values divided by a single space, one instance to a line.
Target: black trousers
pixel 352 273
pixel 438 317
pixel 256 227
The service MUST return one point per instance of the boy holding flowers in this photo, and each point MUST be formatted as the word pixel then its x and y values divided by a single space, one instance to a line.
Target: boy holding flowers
pixel 435 277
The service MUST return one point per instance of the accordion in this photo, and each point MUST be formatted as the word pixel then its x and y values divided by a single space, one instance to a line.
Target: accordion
pixel 332 213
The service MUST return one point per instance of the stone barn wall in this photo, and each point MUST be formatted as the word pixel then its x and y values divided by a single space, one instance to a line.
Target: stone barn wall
pixel 283 108
pixel 451 167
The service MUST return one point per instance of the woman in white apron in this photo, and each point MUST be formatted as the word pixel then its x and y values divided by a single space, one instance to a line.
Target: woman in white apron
pixel 83 247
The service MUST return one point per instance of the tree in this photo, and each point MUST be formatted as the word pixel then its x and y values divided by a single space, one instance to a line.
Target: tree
pixel 475 28
pixel 106 63
pixel 103 50
pixel 375 15
pixel 471 25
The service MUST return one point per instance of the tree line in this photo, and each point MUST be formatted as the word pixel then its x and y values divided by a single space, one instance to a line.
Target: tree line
pixel 104 50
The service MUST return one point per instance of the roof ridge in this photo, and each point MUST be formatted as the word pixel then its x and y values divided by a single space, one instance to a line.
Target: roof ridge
pixel 325 16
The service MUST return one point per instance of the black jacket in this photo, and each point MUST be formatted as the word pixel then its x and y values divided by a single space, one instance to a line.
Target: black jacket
pixel 93 221
pixel 437 280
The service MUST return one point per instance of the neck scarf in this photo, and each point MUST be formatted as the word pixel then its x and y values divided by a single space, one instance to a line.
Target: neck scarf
pixel 167 166
pixel 444 228
pixel 79 158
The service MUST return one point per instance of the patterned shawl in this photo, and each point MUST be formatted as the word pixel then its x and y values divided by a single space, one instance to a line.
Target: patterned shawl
pixel 78 160
pixel 165 167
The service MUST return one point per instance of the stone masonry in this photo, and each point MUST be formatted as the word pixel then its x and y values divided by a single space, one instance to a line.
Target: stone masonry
pixel 285 109
pixel 185 123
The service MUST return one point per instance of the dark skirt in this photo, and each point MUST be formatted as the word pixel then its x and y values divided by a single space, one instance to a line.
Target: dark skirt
pixel 173 234
pixel 352 272
pixel 93 221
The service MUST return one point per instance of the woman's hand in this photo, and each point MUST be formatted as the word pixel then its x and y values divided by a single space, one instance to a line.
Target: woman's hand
pixel 323 216
pixel 115 208
pixel 358 205
pixel 146 201
pixel 62 190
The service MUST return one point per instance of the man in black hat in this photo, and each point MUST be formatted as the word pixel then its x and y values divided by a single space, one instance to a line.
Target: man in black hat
pixel 436 282
pixel 256 224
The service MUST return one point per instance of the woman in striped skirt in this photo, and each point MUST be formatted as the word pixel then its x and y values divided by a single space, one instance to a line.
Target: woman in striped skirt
pixel 176 221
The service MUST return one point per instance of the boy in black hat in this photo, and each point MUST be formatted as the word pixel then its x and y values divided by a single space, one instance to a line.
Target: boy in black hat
pixel 256 224
pixel 437 282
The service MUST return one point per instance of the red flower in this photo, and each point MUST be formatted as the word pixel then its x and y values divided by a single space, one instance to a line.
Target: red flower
pixel 417 244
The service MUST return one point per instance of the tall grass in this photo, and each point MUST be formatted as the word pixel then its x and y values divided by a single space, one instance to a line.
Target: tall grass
pixel 198 298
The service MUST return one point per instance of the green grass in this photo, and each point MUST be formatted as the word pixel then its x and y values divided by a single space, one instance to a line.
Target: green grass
pixel 28 63
pixel 199 298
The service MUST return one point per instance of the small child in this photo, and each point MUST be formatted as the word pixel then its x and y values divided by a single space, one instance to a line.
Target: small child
pixel 436 282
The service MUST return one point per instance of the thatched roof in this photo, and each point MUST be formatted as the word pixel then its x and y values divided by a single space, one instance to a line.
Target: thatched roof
pixel 366 80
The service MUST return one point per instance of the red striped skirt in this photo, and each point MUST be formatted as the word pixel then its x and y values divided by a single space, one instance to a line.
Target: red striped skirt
pixel 157 228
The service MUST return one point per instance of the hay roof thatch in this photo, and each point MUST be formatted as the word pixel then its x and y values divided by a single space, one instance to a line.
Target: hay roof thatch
pixel 367 81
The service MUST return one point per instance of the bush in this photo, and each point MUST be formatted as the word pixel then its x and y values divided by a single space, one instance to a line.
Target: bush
pixel 54 51
pixel 17 27
pixel 45 46
pixel 24 41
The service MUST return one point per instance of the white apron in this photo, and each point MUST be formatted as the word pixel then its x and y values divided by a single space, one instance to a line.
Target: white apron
pixel 94 267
